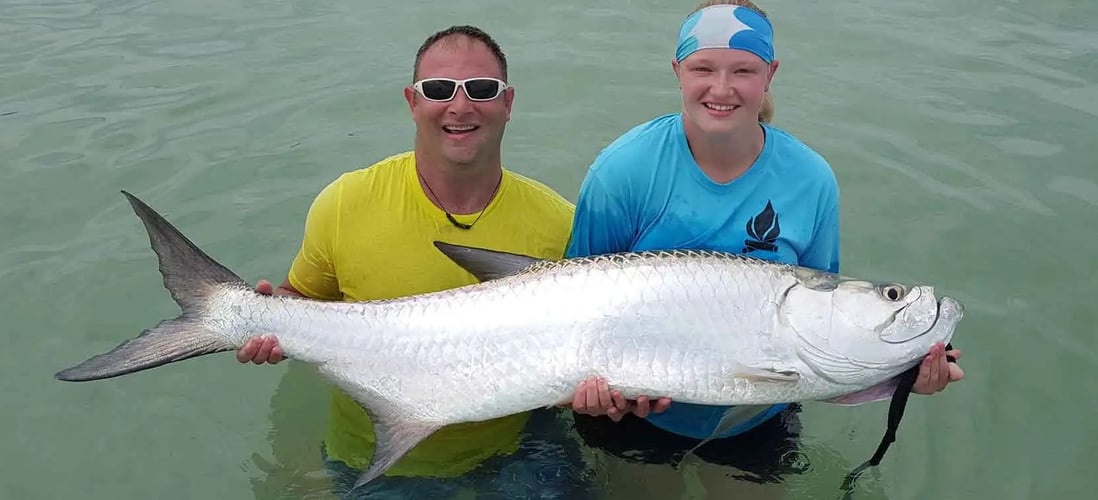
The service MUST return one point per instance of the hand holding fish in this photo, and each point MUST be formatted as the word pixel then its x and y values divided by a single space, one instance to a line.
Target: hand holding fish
pixel 262 349
pixel 594 397
pixel 937 371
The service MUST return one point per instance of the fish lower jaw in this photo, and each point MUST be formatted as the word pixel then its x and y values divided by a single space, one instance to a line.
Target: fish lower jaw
pixel 950 312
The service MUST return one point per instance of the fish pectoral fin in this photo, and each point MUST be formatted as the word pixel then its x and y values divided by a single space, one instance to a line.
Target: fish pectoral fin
pixel 756 374
pixel 486 264
pixel 394 438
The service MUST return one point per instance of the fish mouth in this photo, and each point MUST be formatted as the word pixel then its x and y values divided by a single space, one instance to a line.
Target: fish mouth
pixel 947 313
pixel 952 311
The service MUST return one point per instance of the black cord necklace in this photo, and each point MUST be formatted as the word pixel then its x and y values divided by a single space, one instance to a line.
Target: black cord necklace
pixel 450 216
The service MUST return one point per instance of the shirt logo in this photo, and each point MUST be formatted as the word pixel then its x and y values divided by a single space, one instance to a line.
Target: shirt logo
pixel 763 231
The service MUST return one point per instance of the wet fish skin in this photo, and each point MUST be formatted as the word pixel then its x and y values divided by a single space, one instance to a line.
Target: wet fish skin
pixel 701 327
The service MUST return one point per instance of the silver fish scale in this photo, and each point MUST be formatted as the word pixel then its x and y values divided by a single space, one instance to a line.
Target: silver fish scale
pixel 511 344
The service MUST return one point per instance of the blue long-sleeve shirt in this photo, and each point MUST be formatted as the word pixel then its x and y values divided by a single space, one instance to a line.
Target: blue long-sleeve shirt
pixel 645 192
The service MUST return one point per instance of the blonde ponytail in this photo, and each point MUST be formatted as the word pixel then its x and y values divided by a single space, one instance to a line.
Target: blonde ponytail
pixel 766 114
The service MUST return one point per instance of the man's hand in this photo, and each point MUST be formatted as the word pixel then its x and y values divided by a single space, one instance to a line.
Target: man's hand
pixel 937 372
pixel 593 397
pixel 264 348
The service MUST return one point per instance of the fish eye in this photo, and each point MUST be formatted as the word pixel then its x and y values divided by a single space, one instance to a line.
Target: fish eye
pixel 893 292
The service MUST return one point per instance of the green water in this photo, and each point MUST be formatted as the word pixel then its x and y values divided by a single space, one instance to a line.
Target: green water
pixel 962 132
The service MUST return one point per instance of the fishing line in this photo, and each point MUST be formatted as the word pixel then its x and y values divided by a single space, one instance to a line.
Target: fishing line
pixel 895 414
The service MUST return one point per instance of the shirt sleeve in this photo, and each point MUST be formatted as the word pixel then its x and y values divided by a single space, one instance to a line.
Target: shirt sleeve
pixel 823 252
pixel 313 270
pixel 602 222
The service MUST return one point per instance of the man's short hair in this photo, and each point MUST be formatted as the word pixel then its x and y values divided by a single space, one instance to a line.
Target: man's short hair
pixel 467 31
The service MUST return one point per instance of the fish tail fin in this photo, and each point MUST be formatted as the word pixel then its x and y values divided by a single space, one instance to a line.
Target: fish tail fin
pixel 170 341
pixel 190 276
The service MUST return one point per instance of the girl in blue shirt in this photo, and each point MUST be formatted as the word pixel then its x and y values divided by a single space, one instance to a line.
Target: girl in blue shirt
pixel 714 176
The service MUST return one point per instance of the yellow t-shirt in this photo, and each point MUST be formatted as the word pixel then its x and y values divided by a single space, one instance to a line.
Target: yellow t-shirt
pixel 368 235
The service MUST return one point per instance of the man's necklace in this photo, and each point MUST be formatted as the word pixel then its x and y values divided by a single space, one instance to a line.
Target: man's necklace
pixel 450 216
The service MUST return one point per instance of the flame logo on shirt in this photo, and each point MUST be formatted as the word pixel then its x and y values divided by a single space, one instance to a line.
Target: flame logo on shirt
pixel 763 230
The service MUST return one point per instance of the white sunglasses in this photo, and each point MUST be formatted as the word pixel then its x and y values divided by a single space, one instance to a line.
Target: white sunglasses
pixel 479 89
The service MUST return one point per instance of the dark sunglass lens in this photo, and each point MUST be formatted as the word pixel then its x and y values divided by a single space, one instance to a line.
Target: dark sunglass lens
pixel 482 89
pixel 438 89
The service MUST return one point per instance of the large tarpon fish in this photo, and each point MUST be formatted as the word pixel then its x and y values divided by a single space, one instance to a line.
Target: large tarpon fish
pixel 698 327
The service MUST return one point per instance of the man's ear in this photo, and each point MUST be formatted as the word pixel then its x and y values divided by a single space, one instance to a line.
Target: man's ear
pixel 509 100
pixel 410 97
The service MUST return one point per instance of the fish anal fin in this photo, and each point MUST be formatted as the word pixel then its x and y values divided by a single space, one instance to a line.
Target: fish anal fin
pixel 394 438
pixel 486 264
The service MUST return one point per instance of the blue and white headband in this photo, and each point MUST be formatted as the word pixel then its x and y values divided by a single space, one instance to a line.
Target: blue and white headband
pixel 726 27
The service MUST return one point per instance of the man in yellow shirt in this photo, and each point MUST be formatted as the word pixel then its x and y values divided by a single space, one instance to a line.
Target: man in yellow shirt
pixel 368 235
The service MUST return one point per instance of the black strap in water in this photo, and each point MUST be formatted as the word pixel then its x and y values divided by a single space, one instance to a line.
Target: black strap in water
pixel 895 413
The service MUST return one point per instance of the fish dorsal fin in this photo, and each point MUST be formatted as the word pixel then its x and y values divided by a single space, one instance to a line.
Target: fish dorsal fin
pixel 486 264
pixel 394 438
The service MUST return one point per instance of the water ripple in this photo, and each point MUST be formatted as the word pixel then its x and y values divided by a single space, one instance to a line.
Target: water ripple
pixel 961 133
pixel 1083 189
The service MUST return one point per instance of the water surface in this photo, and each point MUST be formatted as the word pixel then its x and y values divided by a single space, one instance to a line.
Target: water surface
pixel 961 133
